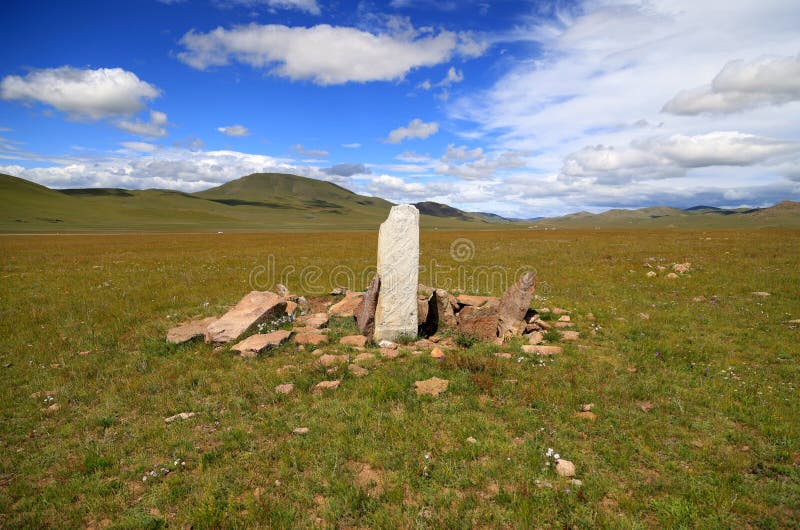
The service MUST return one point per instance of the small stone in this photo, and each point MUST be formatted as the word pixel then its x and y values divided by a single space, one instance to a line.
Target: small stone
pixel 389 353
pixel 357 370
pixel 285 388
pixel 537 337
pixel 762 294
pixel 682 267
pixel 503 355
pixel 179 416
pixel 338 291
pixel 651 274
pixel 322 386
pixel 330 360
pixel 671 276
pixel 347 306
pixel 569 335
pixel 282 291
pixel 565 468
pixel 262 341
pixel 471 440
pixel 586 407
pixel 437 353
pixel 53 408
pixel 564 318
pixel 576 482
pixel 646 406
pixel 700 298
pixel 431 387
pixel 541 350
pixel 361 357
pixel 314 321
pixel 388 344
pixel 561 325
pixel 354 340
pixel 644 316
pixel 559 311
pixel 310 338
pixel 300 430
pixel 87 352
pixel 185 332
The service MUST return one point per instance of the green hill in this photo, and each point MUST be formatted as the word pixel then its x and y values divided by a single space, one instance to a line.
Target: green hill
pixel 257 202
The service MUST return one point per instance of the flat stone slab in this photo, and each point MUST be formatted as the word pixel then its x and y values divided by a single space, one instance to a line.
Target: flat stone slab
pixel 189 330
pixel 254 308
pixel 310 338
pixel 398 266
pixel 331 360
pixel 354 340
pixel 262 341
pixel 472 300
pixel 285 388
pixel 324 386
pixel 357 370
pixel 346 307
pixel 315 321
pixel 570 335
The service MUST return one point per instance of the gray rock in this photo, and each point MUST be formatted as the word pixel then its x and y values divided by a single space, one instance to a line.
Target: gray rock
pixel 254 308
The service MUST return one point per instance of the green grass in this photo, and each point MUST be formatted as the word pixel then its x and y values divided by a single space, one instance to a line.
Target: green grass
pixel 720 448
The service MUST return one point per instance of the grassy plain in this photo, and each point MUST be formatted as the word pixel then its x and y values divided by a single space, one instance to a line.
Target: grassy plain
pixel 719 449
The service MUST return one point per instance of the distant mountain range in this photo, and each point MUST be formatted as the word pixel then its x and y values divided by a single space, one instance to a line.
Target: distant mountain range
pixel 277 201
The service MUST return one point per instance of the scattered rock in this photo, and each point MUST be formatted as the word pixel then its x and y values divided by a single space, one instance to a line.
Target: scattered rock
pixel 503 355
pixel 179 416
pixel 185 332
pixel 365 310
pixel 576 482
pixel 330 360
pixel 559 311
pixel 431 387
pixel 282 291
pixel 651 274
pixel 258 343
pixel 55 407
pixel 586 415
pixel 480 322
pixel 291 307
pixel 537 337
pixel 346 307
pixel 586 407
pixel 87 352
pixel 569 335
pixel 361 357
pixel 389 353
pixel 315 321
pixel 354 340
pixel 541 350
pixel 357 370
pixel 254 308
pixel 564 318
pixel 310 338
pixel 471 440
pixel 514 305
pixel 565 468
pixel 388 344
pixel 322 386
pixel 285 388
pixel 303 305
pixel 700 298
pixel 762 294
pixel 471 300
pixel 795 321
pixel 300 430
pixel 682 267
pixel 437 353
pixel 562 325
pixel 644 316
pixel 338 291
pixel 671 276
pixel 646 406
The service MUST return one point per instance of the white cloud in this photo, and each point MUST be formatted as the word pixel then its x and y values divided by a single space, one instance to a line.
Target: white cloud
pixel 415 129
pixel 741 86
pixel 411 156
pixel 314 153
pixel 354 145
pixel 475 164
pixel 309 6
pixel 81 93
pixel 327 55
pixel 453 76
pixel 155 127
pixel 142 147
pixel 234 130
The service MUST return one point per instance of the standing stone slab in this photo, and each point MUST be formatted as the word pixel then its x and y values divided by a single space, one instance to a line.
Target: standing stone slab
pixel 365 311
pixel 398 266
pixel 514 305
pixel 254 308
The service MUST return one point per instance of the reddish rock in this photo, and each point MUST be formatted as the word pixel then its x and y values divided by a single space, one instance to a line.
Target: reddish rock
pixel 346 306
pixel 291 307
pixel 445 312
pixel 314 321
pixel 479 322
pixel 322 386
pixel 310 338
pixel 569 335
pixel 357 370
pixel 541 350
pixel 330 360
pixel 365 310
pixel 472 300
pixel 431 387
pixel 354 340
pixel 514 305
pixel 186 331
pixel 254 308
pixel 260 342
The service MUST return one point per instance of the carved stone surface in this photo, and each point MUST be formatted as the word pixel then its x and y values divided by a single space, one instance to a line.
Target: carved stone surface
pixel 398 266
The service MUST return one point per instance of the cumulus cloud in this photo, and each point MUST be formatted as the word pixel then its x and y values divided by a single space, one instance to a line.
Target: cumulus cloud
pixel 415 129
pixel 142 147
pixel 313 153
pixel 81 93
pixel 671 156
pixel 327 55
pixel 474 164
pixel 742 85
pixel 234 130
pixel 155 127
pixel 347 170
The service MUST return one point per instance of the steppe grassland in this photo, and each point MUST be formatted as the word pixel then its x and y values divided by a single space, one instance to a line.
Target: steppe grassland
pixel 720 447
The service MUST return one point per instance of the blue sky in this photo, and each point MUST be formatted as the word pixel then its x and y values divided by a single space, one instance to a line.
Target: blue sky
pixel 519 108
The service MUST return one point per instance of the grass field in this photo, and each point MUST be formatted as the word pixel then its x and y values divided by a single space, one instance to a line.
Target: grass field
pixel 719 449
